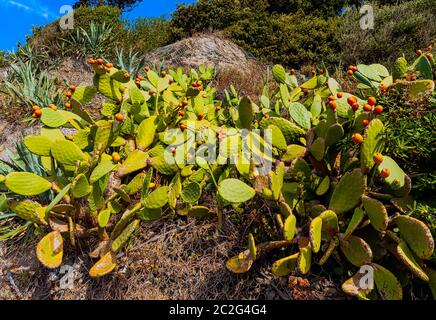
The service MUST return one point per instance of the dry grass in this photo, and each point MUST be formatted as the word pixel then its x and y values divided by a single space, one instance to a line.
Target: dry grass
pixel 172 258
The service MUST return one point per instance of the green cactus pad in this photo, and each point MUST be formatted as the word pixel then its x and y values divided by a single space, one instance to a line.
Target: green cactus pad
pixel 52 118
pixel 157 199
pixel 136 160
pixel 348 192
pixel 246 112
pixel 279 73
pixel 404 254
pixel 235 191
pixel 147 214
pixel 122 239
pixel 252 246
pixel 278 139
pixel 333 134
pixel 417 235
pixel 240 263
pixel 80 187
pixel 277 180
pixel 300 115
pixel 136 96
pixel 323 187
pixel 377 213
pixel 119 76
pixel 49 250
pixel 81 138
pixel 108 87
pixel 318 148
pixel 26 183
pixel 315 231
pixel 285 266
pixel 304 260
pixel 293 151
pixel 356 250
pixel 373 143
pixel 146 133
pixel 289 227
pixel 66 152
pixel 355 221
pixel 122 194
pixel 103 217
pixel 84 94
pixel 105 265
pixel 38 145
pixel 135 185
pixel 191 192
pixel 388 286
pixel 52 133
pixel 424 68
pixel 291 131
pixel 330 224
pixel 28 210
pixel 329 251
pixel 200 212
pixel 164 165
pixel 102 169
pixel 397 177
pixel 400 68
pixel 109 109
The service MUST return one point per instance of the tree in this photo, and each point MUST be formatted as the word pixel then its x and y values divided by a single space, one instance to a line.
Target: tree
pixel 122 4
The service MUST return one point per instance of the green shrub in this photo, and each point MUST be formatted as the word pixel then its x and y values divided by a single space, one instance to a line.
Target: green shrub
pixel 398 30
pixel 145 34
pixel 293 40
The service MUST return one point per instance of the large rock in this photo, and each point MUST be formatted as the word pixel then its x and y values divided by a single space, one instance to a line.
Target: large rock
pixel 210 49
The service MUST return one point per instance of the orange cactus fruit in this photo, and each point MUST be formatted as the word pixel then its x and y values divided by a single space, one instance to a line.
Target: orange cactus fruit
pixel 378 158
pixel 372 101
pixel 385 173
pixel 357 138
pixel 333 105
pixel 378 109
pixel 119 117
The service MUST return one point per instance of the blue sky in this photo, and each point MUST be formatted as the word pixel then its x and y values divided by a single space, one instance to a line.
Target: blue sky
pixel 18 16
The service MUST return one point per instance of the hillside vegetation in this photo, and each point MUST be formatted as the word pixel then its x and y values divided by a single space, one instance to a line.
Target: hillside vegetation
pixel 199 169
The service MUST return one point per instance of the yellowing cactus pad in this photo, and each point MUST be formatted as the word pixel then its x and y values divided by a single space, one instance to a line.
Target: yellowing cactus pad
pixel 103 266
pixel 49 250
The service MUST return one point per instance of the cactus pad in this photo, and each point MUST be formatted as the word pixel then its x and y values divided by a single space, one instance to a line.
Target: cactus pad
pixel 289 227
pixel 417 235
pixel 400 68
pixel 373 143
pixel 228 187
pixel 333 134
pixel 293 151
pixel 285 266
pixel 356 250
pixel 240 263
pixel 291 131
pixel 397 177
pixel 103 217
pixel 318 148
pixel 200 212
pixel 300 115
pixel 103 266
pixel 355 221
pixel 279 73
pixel 304 260
pixel 377 213
pixel 146 133
pixel 26 183
pixel 49 250
pixel 38 145
pixel 66 152
pixel 191 192
pixel 323 187
pixel 348 192
pixel 52 118
pixel 388 286
pixel 122 239
pixel 278 139
pixel 157 199
pixel 315 234
pixel 102 169
pixel 404 254
pixel 246 112
pixel 330 224
pixel 137 160
pixel 28 210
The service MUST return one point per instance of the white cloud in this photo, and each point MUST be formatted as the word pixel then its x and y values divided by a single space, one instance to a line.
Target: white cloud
pixel 32 6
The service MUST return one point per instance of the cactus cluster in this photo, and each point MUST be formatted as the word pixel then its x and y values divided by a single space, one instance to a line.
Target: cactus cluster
pixel 150 153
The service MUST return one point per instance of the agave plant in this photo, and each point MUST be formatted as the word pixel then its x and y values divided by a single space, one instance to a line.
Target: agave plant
pixel 130 62
pixel 94 41
pixel 27 86
pixel 311 151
